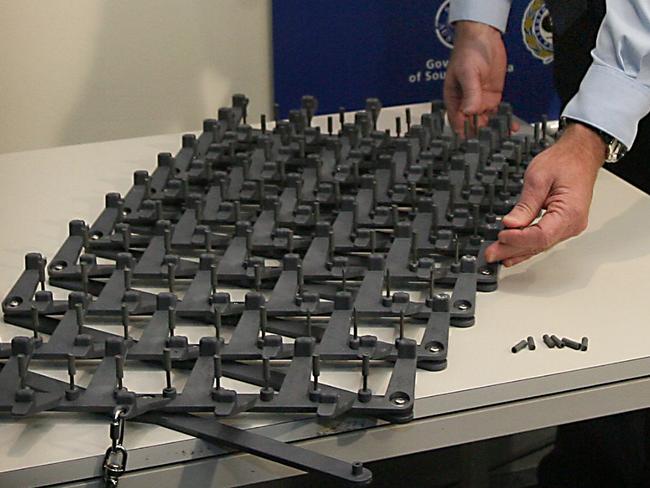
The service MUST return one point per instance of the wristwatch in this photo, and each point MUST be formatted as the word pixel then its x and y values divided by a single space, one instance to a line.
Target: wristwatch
pixel 615 148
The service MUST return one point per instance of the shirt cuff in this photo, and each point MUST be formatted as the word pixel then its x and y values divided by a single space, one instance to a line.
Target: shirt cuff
pixel 611 101
pixel 492 12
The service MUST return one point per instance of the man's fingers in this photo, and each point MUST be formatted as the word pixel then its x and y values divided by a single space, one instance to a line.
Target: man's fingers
pixel 550 230
pixel 508 255
pixel 531 202
pixel 453 97
pixel 498 251
pixel 519 259
pixel 515 126
pixel 457 121
pixel 465 97
pixel 516 243
pixel 482 121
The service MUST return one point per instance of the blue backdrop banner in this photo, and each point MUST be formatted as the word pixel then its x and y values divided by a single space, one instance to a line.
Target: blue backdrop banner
pixel 343 51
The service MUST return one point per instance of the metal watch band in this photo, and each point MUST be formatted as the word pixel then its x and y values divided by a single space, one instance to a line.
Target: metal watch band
pixel 615 148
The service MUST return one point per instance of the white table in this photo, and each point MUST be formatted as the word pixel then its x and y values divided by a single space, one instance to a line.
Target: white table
pixel 595 285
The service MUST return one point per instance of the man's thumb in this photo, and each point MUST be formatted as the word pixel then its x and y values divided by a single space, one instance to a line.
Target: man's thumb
pixel 527 208
pixel 472 93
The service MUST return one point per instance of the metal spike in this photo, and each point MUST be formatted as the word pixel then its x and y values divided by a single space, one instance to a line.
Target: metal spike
pixel 276 217
pixel 237 210
pixel 85 238
pixel 213 279
pixel 316 212
pixel 217 322
pixel 414 198
pixel 263 321
pixel 171 276
pixel 128 277
pixel 257 276
pixel 119 371
pixel 22 369
pixel 491 198
pixel 414 247
pixel 80 316
pixel 387 282
pixel 337 194
pixel 309 332
pixel 84 277
pixel 208 240
pixel 167 239
pixel 72 371
pixel 526 148
pixel 216 361
pixel 167 364
pixel 330 246
pixel 171 320
pixel 301 147
pixel 374 193
pixel 300 279
pixel 290 241
pixel 125 320
pixel 365 370
pixel 395 211
pixel 319 168
pixel 41 273
pixel 266 371
pixel 315 369
pixel 451 201
pixel 157 209
pixel 249 244
pixel 126 237
pixel 35 321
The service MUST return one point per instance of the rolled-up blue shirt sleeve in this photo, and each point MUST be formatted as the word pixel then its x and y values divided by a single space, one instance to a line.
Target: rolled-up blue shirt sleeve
pixel 615 93
pixel 491 12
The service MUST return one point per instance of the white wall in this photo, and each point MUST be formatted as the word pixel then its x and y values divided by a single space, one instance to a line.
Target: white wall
pixel 74 71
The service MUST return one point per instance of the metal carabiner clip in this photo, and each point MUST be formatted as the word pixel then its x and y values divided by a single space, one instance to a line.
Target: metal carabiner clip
pixel 114 464
pixel 116 455
pixel 117 427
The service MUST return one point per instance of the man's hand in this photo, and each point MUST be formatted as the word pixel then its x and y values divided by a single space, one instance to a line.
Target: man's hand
pixel 476 73
pixel 559 180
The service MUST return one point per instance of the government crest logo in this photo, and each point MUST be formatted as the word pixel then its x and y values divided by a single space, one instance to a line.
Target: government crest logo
pixel 537 31
pixel 444 30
